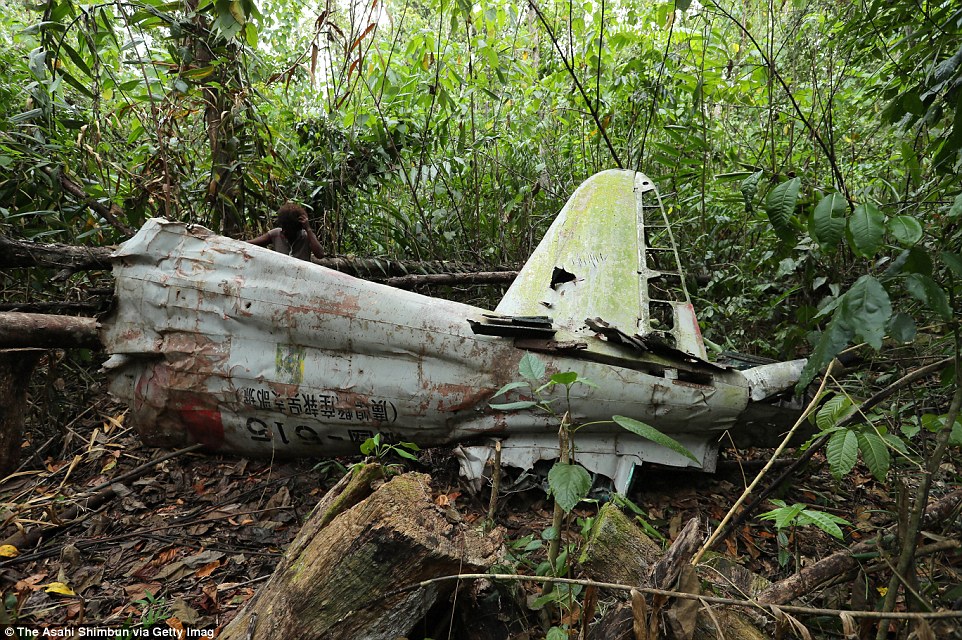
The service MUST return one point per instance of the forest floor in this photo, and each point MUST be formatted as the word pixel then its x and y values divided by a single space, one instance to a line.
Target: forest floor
pixel 188 540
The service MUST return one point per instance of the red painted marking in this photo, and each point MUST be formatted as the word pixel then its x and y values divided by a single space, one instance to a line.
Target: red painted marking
pixel 204 425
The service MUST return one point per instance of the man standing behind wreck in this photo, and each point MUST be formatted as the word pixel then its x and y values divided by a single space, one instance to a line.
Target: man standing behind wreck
pixel 292 235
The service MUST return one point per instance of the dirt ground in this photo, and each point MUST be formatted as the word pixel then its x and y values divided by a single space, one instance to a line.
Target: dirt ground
pixel 188 540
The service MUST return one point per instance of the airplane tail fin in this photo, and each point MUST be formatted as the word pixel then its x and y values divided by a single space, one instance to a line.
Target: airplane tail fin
pixel 610 254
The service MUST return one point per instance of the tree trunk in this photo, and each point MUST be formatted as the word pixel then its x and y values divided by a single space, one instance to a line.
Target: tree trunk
pixel 15 369
pixel 332 582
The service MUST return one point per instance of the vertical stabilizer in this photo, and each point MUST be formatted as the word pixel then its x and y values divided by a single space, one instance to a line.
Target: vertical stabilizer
pixel 610 255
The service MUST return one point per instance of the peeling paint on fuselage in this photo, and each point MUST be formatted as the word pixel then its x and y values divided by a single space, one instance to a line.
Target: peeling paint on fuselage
pixel 293 363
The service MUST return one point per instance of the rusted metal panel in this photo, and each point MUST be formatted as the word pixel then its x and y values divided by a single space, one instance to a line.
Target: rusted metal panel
pixel 247 350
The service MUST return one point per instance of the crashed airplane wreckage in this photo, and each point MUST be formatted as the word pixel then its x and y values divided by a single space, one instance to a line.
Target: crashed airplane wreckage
pixel 242 349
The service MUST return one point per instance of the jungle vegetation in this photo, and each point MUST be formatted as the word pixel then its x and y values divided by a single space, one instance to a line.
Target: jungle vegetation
pixel 809 152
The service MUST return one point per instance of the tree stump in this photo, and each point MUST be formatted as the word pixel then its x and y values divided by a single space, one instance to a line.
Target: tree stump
pixel 16 365
pixel 341 575
pixel 618 551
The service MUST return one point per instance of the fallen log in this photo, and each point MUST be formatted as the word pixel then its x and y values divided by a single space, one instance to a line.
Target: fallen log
pixel 22 253
pixel 396 273
pixel 36 330
pixel 335 580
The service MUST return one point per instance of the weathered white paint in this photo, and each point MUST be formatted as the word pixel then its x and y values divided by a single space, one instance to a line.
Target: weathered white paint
pixel 247 350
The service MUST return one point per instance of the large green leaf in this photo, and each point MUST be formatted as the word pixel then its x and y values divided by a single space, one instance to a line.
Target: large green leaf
pixel 842 452
pixel 875 454
pixel 905 229
pixel 866 226
pixel 866 310
pixel 926 291
pixel 569 484
pixel 780 205
pixel 828 220
pixel 656 436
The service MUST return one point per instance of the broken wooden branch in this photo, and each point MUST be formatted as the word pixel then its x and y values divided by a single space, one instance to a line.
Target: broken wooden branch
pixel 37 330
pixel 335 579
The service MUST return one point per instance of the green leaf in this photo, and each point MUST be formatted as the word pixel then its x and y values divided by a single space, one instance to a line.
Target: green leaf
pixel 404 454
pixel 556 633
pixel 587 382
pixel 875 454
pixel 369 445
pixel 77 60
pixel 780 205
pixel 784 516
pixel 824 521
pixel 514 406
pixel 508 387
pixel 905 229
pixel 866 310
pixel 833 412
pixel 955 211
pixel 955 436
pixel 866 226
pixel 656 436
pixel 895 442
pixel 828 220
pixel 531 367
pixel 953 261
pixel 569 484
pixel 76 84
pixel 842 452
pixel 902 328
pixel 566 378
pixel 749 188
pixel 835 338
pixel 926 291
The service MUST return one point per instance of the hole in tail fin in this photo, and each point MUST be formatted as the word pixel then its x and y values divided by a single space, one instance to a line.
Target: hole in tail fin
pixel 560 276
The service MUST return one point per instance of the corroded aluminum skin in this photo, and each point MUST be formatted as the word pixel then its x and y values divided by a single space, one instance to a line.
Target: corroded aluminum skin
pixel 246 350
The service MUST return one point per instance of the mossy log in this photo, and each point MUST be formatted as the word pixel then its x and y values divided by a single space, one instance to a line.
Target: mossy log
pixel 338 577
pixel 618 551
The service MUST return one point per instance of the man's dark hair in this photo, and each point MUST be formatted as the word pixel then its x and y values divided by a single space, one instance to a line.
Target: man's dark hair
pixel 288 220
